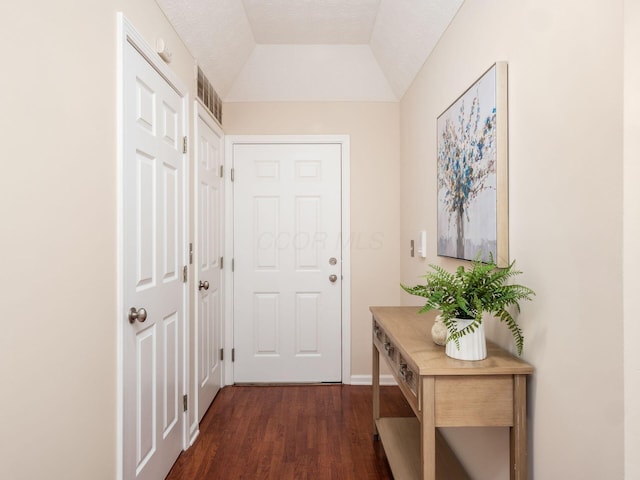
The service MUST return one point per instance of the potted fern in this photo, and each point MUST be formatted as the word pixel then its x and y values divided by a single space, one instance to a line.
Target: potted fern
pixel 464 296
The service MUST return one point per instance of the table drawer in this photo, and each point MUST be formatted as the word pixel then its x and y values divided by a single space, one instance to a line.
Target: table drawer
pixel 405 374
pixel 408 375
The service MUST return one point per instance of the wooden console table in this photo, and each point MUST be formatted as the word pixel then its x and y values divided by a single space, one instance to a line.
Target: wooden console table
pixel 443 392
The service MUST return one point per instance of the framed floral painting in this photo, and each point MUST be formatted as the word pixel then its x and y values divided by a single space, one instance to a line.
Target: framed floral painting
pixel 472 172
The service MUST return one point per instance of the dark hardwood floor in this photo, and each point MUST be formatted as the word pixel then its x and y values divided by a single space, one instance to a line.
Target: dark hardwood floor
pixel 290 433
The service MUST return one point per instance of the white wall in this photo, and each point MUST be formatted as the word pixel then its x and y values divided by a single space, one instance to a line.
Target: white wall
pixel 374 241
pixel 58 233
pixel 631 235
pixel 565 210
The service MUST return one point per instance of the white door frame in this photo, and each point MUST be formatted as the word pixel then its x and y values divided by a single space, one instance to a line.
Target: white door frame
pixel 128 34
pixel 344 141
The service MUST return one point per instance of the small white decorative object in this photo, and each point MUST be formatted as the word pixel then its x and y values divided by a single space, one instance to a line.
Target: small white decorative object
pixel 439 331
pixel 473 346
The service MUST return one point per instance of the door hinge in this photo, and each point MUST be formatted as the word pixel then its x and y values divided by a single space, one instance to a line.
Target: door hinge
pixel 184 274
pixel 221 263
pixel 233 264
pixel 221 171
pixel 185 402
pixel 184 144
pixel 222 354
pixel 191 254
pixel 233 354
pixel 233 175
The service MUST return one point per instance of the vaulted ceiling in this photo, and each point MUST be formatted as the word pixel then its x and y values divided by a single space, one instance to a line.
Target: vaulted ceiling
pixel 310 50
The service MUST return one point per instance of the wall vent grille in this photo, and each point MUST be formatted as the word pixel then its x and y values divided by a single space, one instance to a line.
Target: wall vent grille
pixel 209 97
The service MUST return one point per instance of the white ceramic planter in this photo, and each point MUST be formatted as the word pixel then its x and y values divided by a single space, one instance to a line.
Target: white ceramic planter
pixel 473 346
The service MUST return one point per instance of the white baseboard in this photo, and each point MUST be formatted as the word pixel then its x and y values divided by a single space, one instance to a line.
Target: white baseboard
pixel 367 380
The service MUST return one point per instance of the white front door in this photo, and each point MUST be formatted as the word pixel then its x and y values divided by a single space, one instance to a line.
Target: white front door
pixel 209 148
pixel 153 236
pixel 287 253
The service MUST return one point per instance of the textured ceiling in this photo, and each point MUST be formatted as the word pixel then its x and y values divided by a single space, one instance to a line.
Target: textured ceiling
pixel 312 22
pixel 227 38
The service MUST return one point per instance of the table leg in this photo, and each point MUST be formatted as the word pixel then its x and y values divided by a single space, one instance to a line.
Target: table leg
pixel 428 426
pixel 375 382
pixel 518 432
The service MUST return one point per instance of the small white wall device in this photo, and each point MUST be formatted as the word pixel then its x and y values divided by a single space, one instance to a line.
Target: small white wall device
pixel 163 51
pixel 422 244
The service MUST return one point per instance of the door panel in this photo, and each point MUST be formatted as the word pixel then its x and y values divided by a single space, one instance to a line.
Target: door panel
pixel 153 172
pixel 287 227
pixel 145 396
pixel 209 158
pixel 307 323
pixel 170 381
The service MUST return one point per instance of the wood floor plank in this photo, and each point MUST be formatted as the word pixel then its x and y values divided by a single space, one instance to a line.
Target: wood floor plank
pixel 296 432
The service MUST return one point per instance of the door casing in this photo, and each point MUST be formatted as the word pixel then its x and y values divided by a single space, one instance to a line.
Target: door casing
pixel 344 141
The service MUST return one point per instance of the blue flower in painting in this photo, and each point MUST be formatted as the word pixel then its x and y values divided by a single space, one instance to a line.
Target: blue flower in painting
pixel 466 157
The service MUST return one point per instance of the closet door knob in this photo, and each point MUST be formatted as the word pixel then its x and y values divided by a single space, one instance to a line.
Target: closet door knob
pixel 139 314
